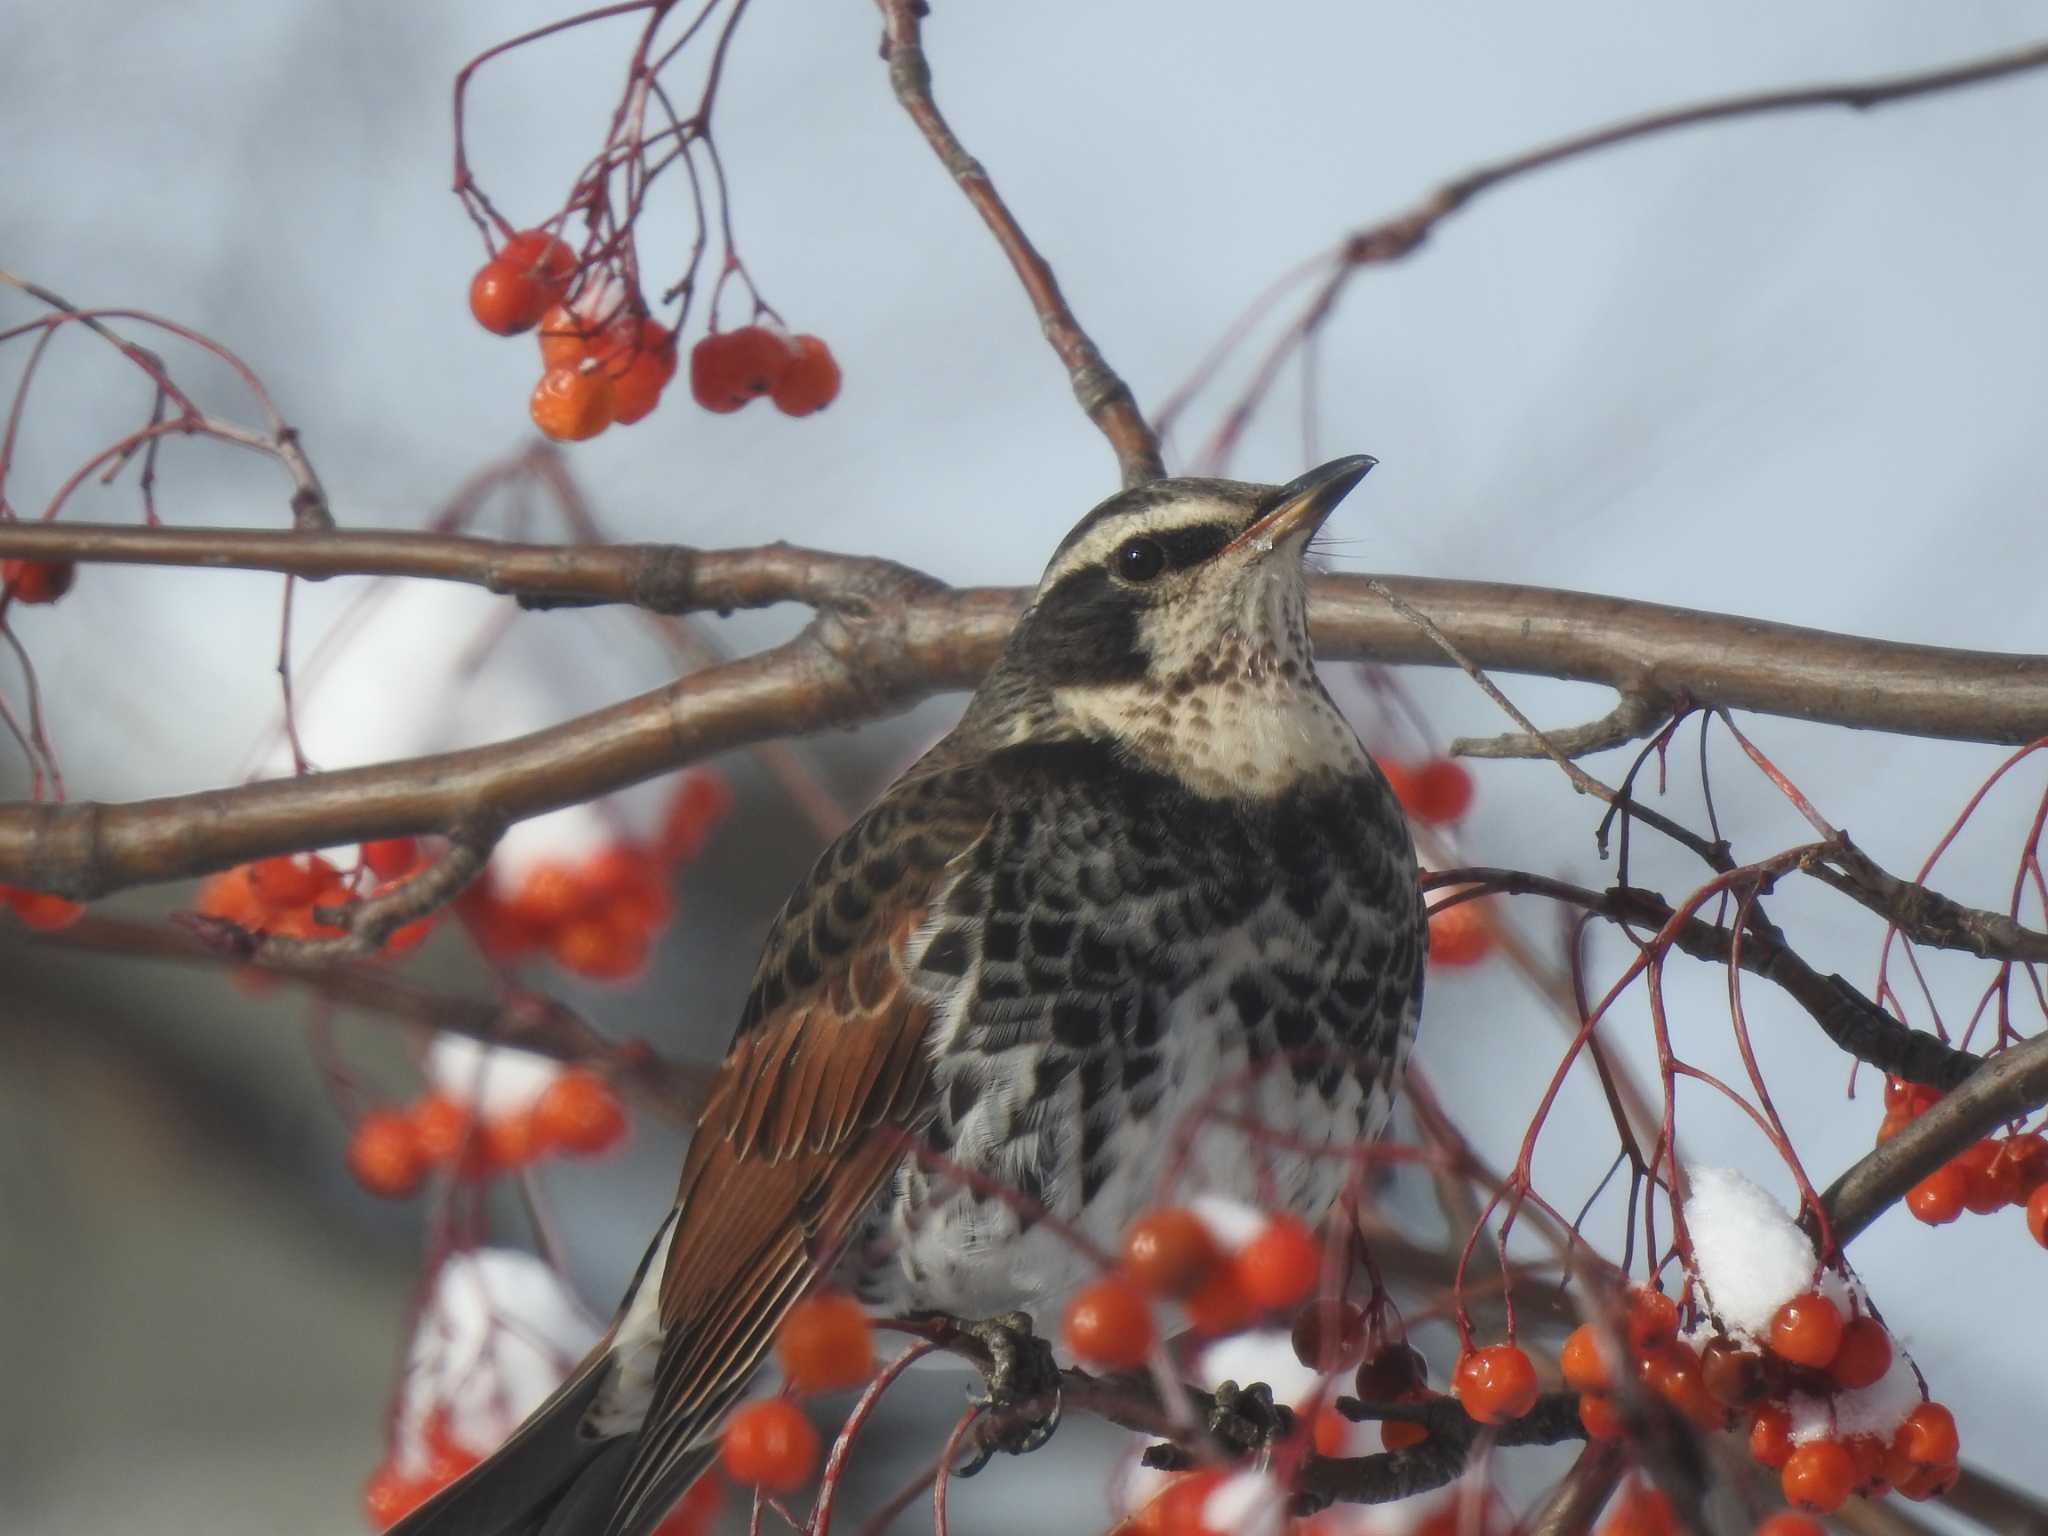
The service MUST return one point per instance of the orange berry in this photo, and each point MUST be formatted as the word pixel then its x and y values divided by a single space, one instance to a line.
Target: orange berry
pixel 770 1444
pixel 1939 1198
pixel 1652 1319
pixel 628 884
pixel 551 893
pixel 444 1130
pixel 565 337
pixel 1281 1265
pixel 499 928
pixel 1770 1436
pixel 1170 1252
pixel 809 381
pixel 695 1511
pixel 1807 1330
pixel 285 882
pixel 601 948
pixel 389 1497
pixel 639 355
pixel 1732 1375
pixel 1599 1417
pixel 36 581
pixel 1460 935
pixel 572 405
pixel 1983 1191
pixel 1439 791
pixel 1109 1323
pixel 579 1113
pixel 1496 1384
pixel 1330 1433
pixel 1219 1305
pixel 1929 1482
pixel 1177 1509
pixel 1329 1335
pixel 1640 1511
pixel 1584 1367
pixel 1785 1523
pixel 1672 1371
pixel 392 858
pixel 1402 1434
pixel 1864 1356
pixel 1868 1453
pixel 229 895
pixel 825 1344
pixel 505 300
pixel 39 911
pixel 541 256
pixel 1818 1476
pixel 1928 1437
pixel 1397 1373
pixel 511 1141
pixel 1894 1121
pixel 697 804
pixel 2037 1215
pixel 384 1154
pixel 2022 1166
pixel 730 368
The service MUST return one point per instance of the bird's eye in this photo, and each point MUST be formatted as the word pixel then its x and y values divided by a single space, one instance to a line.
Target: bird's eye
pixel 1138 559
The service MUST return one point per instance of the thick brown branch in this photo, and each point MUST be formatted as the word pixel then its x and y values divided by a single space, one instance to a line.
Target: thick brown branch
pixel 886 638
pixel 1104 396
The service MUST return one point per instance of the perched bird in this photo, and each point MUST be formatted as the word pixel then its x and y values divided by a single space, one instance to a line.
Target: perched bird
pixel 1151 873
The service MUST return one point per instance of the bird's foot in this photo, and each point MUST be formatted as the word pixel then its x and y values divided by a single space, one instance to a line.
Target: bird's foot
pixel 1020 1400
pixel 1245 1421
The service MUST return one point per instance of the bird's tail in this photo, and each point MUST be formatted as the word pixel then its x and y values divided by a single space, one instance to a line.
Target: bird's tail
pixel 550 1479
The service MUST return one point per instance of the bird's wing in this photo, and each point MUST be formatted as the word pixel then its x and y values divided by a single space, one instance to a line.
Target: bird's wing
pixel 813 1108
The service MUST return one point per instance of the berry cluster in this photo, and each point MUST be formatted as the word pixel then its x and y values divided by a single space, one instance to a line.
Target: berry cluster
pixel 283 896
pixel 37 910
pixel 1170 1254
pixel 1988 1176
pixel 35 581
pixel 1436 791
pixel 605 361
pixel 391 1151
pixel 1812 1355
pixel 597 916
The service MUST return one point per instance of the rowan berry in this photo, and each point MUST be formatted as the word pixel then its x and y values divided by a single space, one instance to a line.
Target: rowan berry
pixel 572 405
pixel 1496 1384
pixel 1109 1323
pixel 1818 1476
pixel 1281 1265
pixel 1864 1354
pixel 1939 1198
pixel 1459 935
pixel 602 948
pixel 1732 1375
pixel 1394 1374
pixel 1170 1252
pixel 1599 1417
pixel 729 368
pixel 385 1156
pixel 391 858
pixel 770 1444
pixel 39 911
pixel 1652 1319
pixel 2037 1214
pixel 810 380
pixel 1807 1330
pixel 1329 1334
pixel 544 258
pixel 1770 1435
pixel 1983 1192
pixel 1439 791
pixel 36 581
pixel 825 1344
pixel 506 300
pixel 1928 1437
pixel 388 1496
pixel 579 1113
pixel 1583 1363
pixel 1785 1523
pixel 1639 1511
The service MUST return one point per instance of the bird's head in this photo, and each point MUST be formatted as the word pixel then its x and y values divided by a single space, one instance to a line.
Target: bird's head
pixel 1173 620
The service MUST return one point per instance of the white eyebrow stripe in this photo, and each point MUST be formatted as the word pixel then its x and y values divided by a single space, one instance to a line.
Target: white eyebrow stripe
pixel 1096 544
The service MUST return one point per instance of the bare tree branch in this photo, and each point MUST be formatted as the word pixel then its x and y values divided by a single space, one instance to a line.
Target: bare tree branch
pixel 884 638
pixel 1102 392
pixel 1634 716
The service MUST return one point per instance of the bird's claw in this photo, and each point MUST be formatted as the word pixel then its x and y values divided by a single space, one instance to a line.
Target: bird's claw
pixel 1020 1401
pixel 1246 1421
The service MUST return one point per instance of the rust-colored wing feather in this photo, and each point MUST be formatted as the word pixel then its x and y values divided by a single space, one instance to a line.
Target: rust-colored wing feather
pixel 827 1081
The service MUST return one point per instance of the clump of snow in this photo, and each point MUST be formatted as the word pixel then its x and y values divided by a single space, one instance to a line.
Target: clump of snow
pixel 1248 1504
pixel 1259 1354
pixel 1878 1409
pixel 1749 1255
pixel 496 1337
pixel 1232 1223
pixel 492 1080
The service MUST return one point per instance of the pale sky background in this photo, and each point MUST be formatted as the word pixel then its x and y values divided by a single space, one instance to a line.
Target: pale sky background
pixel 1790 368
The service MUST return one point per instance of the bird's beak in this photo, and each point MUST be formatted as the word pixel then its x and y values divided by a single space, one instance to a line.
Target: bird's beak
pixel 1302 505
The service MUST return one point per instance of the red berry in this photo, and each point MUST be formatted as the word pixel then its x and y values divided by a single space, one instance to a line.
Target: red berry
pixel 1732 1375
pixel 579 1113
pixel 510 1142
pixel 446 1132
pixel 1600 1418
pixel 1583 1363
pixel 1939 1198
pixel 1807 1330
pixel 36 581
pixel 1928 1437
pixel 505 300
pixel 639 356
pixel 388 1497
pixel 732 367
pixel 39 911
pixel 1639 1511
pixel 1460 935
pixel 602 948
pixel 1672 1371
pixel 2022 1166
pixel 1398 1372
pixel 565 337
pixel 1785 1523
pixel 1818 1476
pixel 1439 791
pixel 1652 1319
pixel 810 380
pixel 1864 1356
pixel 1329 1335
pixel 770 1444
pixel 392 858
pixel 825 1344
pixel 695 1512
pixel 1282 1264
pixel 1770 1436
pixel 551 893
pixel 1403 1434
pixel 2037 1215
pixel 385 1156
pixel 1170 1252
pixel 539 255
pixel 572 405
pixel 286 882
pixel 1983 1192
pixel 1109 1323
pixel 697 804
pixel 1496 1384
pixel 1219 1304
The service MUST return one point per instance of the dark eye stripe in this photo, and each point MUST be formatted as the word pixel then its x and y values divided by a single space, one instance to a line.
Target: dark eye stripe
pixel 1191 546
